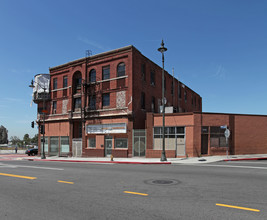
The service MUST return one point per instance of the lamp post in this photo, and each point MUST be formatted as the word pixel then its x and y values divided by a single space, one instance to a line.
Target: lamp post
pixel 163 49
pixel 32 86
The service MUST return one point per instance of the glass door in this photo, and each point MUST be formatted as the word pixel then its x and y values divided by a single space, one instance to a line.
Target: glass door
pixel 108 145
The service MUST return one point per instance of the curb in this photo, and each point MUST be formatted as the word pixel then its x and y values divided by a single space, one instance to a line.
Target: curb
pixel 93 161
pixel 239 159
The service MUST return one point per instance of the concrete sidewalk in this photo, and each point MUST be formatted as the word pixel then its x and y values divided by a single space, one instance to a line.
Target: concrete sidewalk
pixel 140 160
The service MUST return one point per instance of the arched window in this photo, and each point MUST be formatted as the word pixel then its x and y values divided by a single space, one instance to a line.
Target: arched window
pixel 92 76
pixel 121 70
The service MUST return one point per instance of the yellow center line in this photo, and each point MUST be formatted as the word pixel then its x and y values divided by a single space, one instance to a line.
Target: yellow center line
pixel 60 181
pixel 136 193
pixel 18 176
pixel 238 207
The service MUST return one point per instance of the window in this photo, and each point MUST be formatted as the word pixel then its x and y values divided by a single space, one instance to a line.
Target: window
pixel 174 139
pixel 121 70
pixel 143 100
pixel 92 102
pixel 54 83
pixel 179 91
pixel 54 107
pixel 217 137
pixel 153 103
pixel 152 77
pixel 192 100
pixel 65 81
pixel 121 143
pixel 91 143
pixel 106 100
pixel 105 72
pixel 77 104
pixel 172 87
pixel 185 96
pixel 78 83
pixel 92 76
pixel 64 144
pixel 143 71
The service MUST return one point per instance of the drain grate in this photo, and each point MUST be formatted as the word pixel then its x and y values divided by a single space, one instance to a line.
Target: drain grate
pixel 162 182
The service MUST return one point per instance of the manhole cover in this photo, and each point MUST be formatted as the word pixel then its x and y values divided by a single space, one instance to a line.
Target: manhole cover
pixel 162 182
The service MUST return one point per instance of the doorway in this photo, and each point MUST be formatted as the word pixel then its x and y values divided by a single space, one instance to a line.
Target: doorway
pixel 108 145
pixel 204 143
pixel 139 143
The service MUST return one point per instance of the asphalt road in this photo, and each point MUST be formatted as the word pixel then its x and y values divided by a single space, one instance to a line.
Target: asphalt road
pixel 58 190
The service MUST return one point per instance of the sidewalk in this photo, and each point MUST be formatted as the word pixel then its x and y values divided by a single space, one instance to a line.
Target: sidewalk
pixel 140 160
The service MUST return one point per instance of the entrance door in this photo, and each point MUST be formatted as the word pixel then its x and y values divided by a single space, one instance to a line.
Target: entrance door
pixel 139 145
pixel 180 145
pixel 108 145
pixel 76 147
pixel 204 143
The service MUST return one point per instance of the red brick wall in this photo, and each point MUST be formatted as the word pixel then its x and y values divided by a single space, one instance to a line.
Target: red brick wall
pixel 90 152
pixel 250 134
pixel 157 153
pixel 120 153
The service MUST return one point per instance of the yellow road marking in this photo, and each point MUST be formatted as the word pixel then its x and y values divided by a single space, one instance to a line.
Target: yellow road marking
pixel 238 207
pixel 18 176
pixel 60 181
pixel 136 193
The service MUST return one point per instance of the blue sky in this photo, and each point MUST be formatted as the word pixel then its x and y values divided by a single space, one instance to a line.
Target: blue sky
pixel 216 47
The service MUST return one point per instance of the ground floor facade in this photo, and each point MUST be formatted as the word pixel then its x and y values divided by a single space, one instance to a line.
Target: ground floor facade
pixel 186 135
pixel 197 134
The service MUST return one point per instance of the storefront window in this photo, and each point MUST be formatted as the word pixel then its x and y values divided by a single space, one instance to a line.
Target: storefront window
pixel 217 138
pixel 121 143
pixel 54 145
pixel 46 145
pixel 64 144
pixel 173 136
pixel 91 142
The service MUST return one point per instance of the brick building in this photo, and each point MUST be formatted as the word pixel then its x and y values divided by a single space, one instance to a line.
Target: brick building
pixel 195 134
pixel 98 105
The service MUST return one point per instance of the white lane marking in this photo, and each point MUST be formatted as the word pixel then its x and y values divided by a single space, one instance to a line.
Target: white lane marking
pixel 35 167
pixel 45 168
pixel 246 162
pixel 264 168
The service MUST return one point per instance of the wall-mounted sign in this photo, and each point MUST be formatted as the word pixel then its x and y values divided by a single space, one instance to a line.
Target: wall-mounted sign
pixel 106 128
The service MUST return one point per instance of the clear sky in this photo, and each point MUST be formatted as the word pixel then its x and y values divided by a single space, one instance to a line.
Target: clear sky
pixel 217 47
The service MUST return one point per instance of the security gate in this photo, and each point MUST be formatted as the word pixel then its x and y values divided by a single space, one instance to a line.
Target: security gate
pixel 108 145
pixel 139 143
pixel 77 147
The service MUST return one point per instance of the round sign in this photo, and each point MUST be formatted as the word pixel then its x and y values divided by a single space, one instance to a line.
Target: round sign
pixel 227 133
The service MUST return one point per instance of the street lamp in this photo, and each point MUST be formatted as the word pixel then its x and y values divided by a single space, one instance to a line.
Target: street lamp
pixel 32 86
pixel 163 49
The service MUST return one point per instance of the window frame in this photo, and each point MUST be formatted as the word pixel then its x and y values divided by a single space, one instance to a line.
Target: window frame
pixel 104 102
pixel 105 72
pixel 54 83
pixel 77 101
pixel 152 78
pixel 143 72
pixel 92 79
pixel 121 72
pixel 121 139
pixel 143 100
pixel 65 81
pixel 93 140
pixel 54 107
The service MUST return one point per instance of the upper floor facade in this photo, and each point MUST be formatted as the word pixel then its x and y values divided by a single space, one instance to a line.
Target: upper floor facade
pixel 117 83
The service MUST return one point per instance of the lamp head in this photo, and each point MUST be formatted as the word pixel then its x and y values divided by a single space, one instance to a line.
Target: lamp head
pixel 162 49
